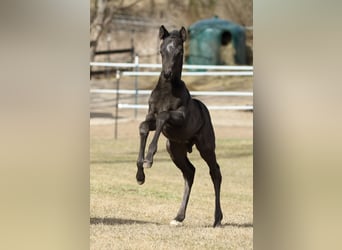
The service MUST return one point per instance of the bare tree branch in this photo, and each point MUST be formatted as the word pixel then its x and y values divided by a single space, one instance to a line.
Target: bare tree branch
pixel 105 11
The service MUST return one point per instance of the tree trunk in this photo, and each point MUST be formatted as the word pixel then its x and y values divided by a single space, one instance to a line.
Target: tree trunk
pixel 97 26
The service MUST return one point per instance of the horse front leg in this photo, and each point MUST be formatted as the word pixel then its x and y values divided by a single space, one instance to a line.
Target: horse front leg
pixel 145 127
pixel 160 121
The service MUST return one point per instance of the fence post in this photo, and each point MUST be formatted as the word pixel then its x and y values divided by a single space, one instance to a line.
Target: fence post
pixel 109 38
pixel 117 104
pixel 136 61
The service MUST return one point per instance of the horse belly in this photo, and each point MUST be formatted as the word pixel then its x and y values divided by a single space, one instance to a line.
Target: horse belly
pixel 183 133
pixel 176 133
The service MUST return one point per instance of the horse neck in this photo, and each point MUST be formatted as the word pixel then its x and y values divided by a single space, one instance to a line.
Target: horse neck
pixel 179 73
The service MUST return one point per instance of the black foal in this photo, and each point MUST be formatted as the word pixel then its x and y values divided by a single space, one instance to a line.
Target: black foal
pixel 183 121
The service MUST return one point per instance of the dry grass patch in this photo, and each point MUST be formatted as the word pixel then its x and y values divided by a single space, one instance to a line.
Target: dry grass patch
pixel 125 215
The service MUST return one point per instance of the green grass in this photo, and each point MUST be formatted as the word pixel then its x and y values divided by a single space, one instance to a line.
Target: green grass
pixel 125 215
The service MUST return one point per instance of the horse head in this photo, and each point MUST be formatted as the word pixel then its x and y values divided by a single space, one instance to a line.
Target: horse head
pixel 172 50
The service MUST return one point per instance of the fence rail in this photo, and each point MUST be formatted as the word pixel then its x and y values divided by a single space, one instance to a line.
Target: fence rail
pixel 185 66
pixel 188 73
pixel 148 92
pixel 114 51
pixel 143 106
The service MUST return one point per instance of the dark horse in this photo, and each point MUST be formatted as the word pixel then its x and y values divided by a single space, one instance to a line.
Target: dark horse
pixel 183 121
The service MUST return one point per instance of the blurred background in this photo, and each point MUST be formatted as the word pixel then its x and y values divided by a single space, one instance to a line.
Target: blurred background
pixel 219 33
pixel 134 24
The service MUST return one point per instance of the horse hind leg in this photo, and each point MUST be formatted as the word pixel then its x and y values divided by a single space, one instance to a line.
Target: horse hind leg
pixel 216 177
pixel 178 154
pixel 207 152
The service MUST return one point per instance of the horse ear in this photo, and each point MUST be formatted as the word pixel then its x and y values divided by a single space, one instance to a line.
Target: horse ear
pixel 183 34
pixel 163 33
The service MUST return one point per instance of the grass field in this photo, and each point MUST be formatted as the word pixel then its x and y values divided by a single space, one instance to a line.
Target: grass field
pixel 125 215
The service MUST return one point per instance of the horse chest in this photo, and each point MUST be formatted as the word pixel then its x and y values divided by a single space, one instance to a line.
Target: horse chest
pixel 165 102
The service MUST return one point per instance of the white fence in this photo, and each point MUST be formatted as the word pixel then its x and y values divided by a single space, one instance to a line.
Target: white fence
pixel 142 106
pixel 186 66
pixel 233 70
pixel 221 70
pixel 148 92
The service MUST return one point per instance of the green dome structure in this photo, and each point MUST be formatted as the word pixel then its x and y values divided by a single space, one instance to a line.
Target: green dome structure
pixel 208 35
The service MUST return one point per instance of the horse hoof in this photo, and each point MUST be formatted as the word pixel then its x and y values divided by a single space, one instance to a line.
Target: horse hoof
pixel 141 182
pixel 147 164
pixel 176 223
pixel 217 224
pixel 140 177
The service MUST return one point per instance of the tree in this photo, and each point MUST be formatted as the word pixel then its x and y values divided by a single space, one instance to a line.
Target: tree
pixel 101 15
